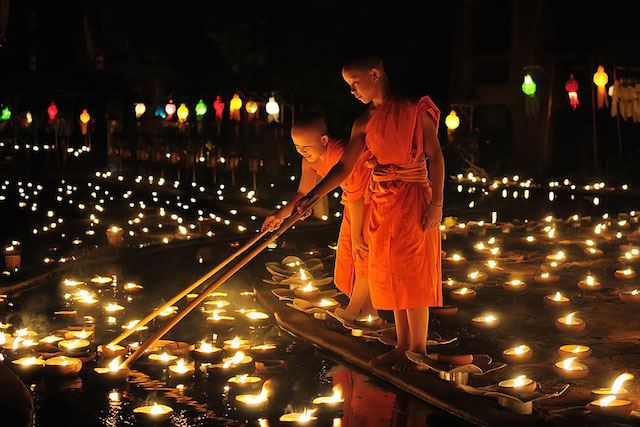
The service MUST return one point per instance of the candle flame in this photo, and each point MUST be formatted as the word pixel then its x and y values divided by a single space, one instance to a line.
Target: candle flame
pixel 205 347
pixel 606 400
pixel 29 361
pixel 337 395
pixel 545 275
pixel 464 291
pixel 578 349
pixel 155 409
pixel 325 303
pixel 558 296
pixel 237 358
pixel 307 288
pixel 369 318
pixel 456 257
pixel 114 365
pixel 520 349
pixel 303 275
pixel 567 363
pixel 243 378
pixel 617 384
pixel 590 280
pixel 22 332
pixel 306 415
pixel 519 381
pixel 474 274
pixel 569 319
pixel 634 292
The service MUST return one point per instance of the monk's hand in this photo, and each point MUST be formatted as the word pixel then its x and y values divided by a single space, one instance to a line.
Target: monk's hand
pixel 301 206
pixel 358 248
pixel 432 217
pixel 272 222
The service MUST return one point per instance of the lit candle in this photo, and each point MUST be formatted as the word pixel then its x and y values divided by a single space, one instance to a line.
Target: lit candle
pixel 111 351
pixel 557 300
pixel 463 294
pixel 132 288
pixel 456 259
pixel 253 402
pixel 299 417
pixel 256 316
pixel 515 285
pixel 611 406
pixel 333 402
pixel 570 369
pixel 477 276
pixel 547 277
pixel 630 296
pixel 101 280
pixel 74 346
pixel 369 321
pixel 263 351
pixel 181 369
pixel 236 343
pixel 308 292
pixel 327 303
pixel 577 351
pixel 63 366
pixel 625 274
pixel 153 413
pixel 615 389
pixel 207 352
pixel 487 322
pixel 570 324
pixel 220 321
pixel 519 354
pixel 239 360
pixel 113 371
pixel 558 257
pixel 163 359
pixel 243 383
pixel 518 386
pixel 28 365
pixel 113 308
pixel 589 284
pixel 84 334
pixel 591 251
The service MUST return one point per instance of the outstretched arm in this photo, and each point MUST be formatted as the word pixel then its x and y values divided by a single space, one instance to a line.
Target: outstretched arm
pixel 433 213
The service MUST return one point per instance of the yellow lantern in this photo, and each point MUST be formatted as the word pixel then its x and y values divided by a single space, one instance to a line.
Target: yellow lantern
pixel 452 121
pixel 600 78
pixel 251 107
pixel 234 107
pixel 85 117
pixel 140 109
pixel 183 112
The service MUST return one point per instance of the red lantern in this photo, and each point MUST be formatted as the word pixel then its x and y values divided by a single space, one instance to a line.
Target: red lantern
pixel 52 111
pixel 218 105
pixel 572 88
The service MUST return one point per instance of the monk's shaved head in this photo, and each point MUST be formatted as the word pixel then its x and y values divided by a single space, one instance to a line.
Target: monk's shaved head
pixel 364 63
pixel 311 121
pixel 309 134
pixel 366 77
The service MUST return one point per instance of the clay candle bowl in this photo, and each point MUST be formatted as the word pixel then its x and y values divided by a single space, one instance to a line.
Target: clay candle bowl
pixel 550 267
pixel 589 284
pixel 206 352
pixel 515 285
pixel 236 343
pixel 63 366
pixel 519 386
pixel 570 324
pixel 451 284
pixel 49 344
pixel 113 371
pixel 331 403
pixel 181 369
pixel 595 252
pixel 219 322
pixel 477 276
pixel 28 365
pixel 572 350
pixel 463 294
pixel 547 277
pixel 626 274
pixel 557 300
pixel 74 347
pixel 558 257
pixel 327 303
pixel 520 354
pixel 570 370
pixel 369 321
pixel 257 317
pixel 115 235
pixel 240 362
pixel 263 351
pixel 162 360
pixel 252 403
pixel 630 296
pixel 610 406
pixel 101 281
pixel 298 417
pixel 456 259
pixel 486 322
pixel 153 413
pixel 243 384
pixel 82 334
pixel 308 292
pixel 615 389
pixel 132 288
pixel 111 351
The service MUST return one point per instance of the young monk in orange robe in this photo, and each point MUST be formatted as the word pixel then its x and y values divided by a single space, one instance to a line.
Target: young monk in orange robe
pixel 405 203
pixel 320 153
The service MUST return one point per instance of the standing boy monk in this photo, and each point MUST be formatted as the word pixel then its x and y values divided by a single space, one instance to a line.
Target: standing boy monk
pixel 406 203
pixel 320 153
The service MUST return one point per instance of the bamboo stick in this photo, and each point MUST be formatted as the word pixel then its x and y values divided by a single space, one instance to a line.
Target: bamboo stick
pixel 189 288
pixel 219 281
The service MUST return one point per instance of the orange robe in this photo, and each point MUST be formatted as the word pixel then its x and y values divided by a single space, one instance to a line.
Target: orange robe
pixel 353 188
pixel 404 259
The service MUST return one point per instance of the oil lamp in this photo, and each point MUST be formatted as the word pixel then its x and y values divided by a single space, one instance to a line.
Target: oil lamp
pixel 625 274
pixel 558 257
pixel 153 413
pixel 486 322
pixel 518 386
pixel 239 360
pixel 207 352
pixel 48 344
pixel 557 300
pixel 519 354
pixel 253 403
pixel 256 317
pixel 477 276
pixel 299 417
pixel 133 324
pixel 451 284
pixel 589 284
pixel 611 406
pixel 308 292
pixel 515 285
pixel 132 288
pixel 115 235
pixel 456 259
pixel 74 347
pixel 547 277
pixel 181 369
pixel 29 365
pixel 163 359
pixel 236 343
pixel 168 312
pixel 570 369
pixel 327 303
pixel 572 350
pixel 570 324
pixel 593 251
pixel 111 351
pixel 83 334
pixel 63 366
pixel 241 384
pixel 463 294
pixel 12 257
pixel 219 321
pixel 615 389
pixel 113 308
pixel 263 351
pixel 113 371
pixel 332 403
pixel 101 280
pixel 630 296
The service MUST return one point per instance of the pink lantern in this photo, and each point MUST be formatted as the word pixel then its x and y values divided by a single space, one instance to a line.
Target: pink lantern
pixel 572 89
pixel 170 109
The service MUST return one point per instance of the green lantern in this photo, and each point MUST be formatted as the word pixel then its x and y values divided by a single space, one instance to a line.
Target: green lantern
pixel 201 108
pixel 529 86
pixel 6 114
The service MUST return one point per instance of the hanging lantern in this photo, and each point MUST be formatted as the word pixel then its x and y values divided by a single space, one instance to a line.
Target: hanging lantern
pixel 234 107
pixel 201 108
pixel 183 112
pixel 218 105
pixel 28 118
pixel 452 121
pixel 140 109
pixel 600 78
pixel 160 112
pixel 273 110
pixel 52 111
pixel 251 107
pixel 6 114
pixel 84 120
pixel 572 89
pixel 170 109
pixel 529 86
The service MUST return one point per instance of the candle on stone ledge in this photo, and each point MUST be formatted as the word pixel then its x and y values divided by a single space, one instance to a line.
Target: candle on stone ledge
pixel 515 285
pixel 463 294
pixel 572 350
pixel 153 413
pixel 570 369
pixel 626 274
pixel 570 324
pixel 519 354
pixel 611 406
pixel 518 386
pixel 589 284
pixel 630 296
pixel 557 300
pixel 486 322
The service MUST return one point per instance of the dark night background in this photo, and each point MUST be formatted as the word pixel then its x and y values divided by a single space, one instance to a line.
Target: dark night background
pixel 107 55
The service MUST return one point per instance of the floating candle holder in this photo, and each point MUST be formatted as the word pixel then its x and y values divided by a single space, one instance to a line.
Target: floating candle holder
pixel 63 366
pixel 74 347
pixel 456 259
pixel 626 274
pixel 307 292
pixel 29 365
pixel 615 389
pixel 369 321
pixel 113 371
pixel 556 300
pixel 162 359
pixel 477 276
pixel 115 235
pixel 570 369
pixel 263 351
pixel 589 284
pixel 236 343
pixel 558 257
pixel 515 285
pixel 101 280
pixel 181 369
pixel 207 352
pixel 463 294
pixel 486 322
pixel 547 277
pixel 241 384
pixel 132 288
pixel 630 296
pixel 570 324
pixel 83 334
pixel 111 351
pixel 153 413
pixel 573 350
pixel 253 403
pixel 518 386
pixel 304 417
pixel 611 406
pixel 519 354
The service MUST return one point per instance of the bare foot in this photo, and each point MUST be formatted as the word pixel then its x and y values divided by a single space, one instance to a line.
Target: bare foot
pixel 388 358
pixel 404 364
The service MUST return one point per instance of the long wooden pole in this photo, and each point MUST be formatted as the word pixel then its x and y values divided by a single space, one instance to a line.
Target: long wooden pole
pixel 188 289
pixel 219 281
